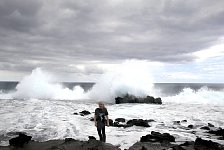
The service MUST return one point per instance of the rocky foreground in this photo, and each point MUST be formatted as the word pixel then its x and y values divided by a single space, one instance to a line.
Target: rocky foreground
pixel 153 141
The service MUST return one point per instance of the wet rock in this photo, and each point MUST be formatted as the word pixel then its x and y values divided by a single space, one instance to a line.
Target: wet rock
pixel 67 144
pixel 201 144
pixel 133 99
pixel 111 122
pixel 84 113
pixel 157 137
pixel 183 120
pixel 218 132
pixel 120 119
pixel 190 126
pixel 176 122
pixel 92 138
pixel 138 122
pixel 150 146
pixel 20 140
pixel 69 140
pixel 205 128
pixel 210 125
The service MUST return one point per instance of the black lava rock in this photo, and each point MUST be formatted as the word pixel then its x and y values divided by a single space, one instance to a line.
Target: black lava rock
pixel 120 119
pixel 92 138
pixel 111 122
pixel 84 113
pixel 190 126
pixel 20 140
pixel 157 137
pixel 201 144
pixel 219 132
pixel 138 122
pixel 133 99
pixel 205 128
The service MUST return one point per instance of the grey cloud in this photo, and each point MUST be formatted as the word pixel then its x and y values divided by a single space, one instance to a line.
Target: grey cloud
pixel 56 34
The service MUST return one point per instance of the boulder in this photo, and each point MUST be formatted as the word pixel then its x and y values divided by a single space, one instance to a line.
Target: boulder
pixel 84 113
pixel 111 122
pixel 133 99
pixel 210 125
pixel 92 138
pixel 120 119
pixel 157 137
pixel 190 126
pixel 20 140
pixel 138 122
pixel 205 128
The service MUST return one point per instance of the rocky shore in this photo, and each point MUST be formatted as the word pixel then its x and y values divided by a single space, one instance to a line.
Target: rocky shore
pixel 153 141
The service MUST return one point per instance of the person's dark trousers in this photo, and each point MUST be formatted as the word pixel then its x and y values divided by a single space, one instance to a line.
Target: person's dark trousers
pixel 101 132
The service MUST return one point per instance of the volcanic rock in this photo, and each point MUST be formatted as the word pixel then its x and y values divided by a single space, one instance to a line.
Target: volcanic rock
pixel 120 119
pixel 138 122
pixel 84 113
pixel 20 140
pixel 133 99
pixel 157 137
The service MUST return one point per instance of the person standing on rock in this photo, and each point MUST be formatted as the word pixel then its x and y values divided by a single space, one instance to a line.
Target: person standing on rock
pixel 101 119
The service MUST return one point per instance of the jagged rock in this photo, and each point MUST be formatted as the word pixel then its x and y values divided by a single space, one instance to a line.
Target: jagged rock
pixel 84 113
pixel 20 140
pixel 138 122
pixel 120 119
pixel 133 99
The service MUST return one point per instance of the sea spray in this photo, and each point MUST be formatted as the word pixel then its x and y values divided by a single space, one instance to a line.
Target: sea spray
pixel 42 85
pixel 132 77
pixel 202 96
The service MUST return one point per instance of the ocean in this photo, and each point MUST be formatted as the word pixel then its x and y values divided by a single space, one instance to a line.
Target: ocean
pixel 45 110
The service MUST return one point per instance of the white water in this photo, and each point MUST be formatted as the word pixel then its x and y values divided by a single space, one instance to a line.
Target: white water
pixel 47 119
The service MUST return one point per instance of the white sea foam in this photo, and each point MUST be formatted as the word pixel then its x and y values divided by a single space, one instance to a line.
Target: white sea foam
pixel 40 84
pixel 201 96
pixel 47 120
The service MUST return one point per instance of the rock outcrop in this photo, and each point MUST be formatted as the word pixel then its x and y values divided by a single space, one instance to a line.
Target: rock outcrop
pixel 133 99
pixel 23 142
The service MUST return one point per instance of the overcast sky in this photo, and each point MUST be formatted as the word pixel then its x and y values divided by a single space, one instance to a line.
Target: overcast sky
pixel 80 39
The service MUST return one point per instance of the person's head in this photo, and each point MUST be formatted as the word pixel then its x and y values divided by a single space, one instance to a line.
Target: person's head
pixel 101 105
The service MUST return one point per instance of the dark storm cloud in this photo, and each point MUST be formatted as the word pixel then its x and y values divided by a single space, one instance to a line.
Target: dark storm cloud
pixel 60 34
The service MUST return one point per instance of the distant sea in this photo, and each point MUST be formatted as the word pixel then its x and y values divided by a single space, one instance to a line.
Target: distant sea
pixel 167 89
